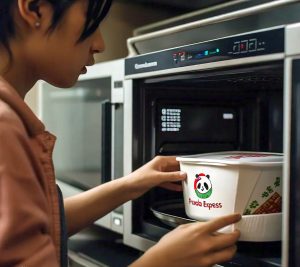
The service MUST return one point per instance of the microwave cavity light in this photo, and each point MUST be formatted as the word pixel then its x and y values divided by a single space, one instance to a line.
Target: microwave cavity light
pixel 227 116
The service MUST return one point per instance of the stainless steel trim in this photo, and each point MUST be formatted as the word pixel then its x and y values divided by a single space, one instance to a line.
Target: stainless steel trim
pixel 186 16
pixel 292 36
pixel 286 150
pixel 129 238
pixel 207 66
pixel 116 70
pixel 127 158
pixel 112 157
pixel 127 154
pixel 229 16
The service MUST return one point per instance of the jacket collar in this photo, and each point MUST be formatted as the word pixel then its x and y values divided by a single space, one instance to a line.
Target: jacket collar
pixel 9 95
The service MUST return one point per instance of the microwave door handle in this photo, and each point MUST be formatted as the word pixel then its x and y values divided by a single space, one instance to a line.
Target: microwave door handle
pixel 106 141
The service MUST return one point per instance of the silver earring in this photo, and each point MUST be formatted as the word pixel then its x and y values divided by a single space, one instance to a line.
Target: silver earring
pixel 37 24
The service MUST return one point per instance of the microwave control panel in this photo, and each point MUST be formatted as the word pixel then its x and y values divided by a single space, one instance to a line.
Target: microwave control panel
pixel 241 47
pixel 252 44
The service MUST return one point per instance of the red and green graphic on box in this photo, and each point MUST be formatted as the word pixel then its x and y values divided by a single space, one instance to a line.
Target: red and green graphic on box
pixel 202 185
pixel 269 200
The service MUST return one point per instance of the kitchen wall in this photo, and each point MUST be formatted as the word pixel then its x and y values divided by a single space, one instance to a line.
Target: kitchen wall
pixel 117 27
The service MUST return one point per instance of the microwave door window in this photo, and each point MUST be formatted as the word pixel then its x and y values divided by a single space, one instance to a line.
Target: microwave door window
pixel 76 118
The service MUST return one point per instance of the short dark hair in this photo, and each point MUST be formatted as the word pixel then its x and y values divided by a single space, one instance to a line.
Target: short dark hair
pixel 97 10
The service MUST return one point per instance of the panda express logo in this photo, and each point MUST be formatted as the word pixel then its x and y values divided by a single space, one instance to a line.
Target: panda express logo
pixel 203 189
pixel 202 186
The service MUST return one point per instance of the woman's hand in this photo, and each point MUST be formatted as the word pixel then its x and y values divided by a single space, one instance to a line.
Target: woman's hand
pixel 162 171
pixel 193 245
pixel 116 192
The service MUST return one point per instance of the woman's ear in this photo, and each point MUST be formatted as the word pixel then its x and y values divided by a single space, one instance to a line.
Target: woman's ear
pixel 33 6
pixel 35 12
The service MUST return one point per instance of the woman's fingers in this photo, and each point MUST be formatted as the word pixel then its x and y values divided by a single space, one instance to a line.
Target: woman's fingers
pixel 166 172
pixel 173 176
pixel 167 163
pixel 222 241
pixel 216 224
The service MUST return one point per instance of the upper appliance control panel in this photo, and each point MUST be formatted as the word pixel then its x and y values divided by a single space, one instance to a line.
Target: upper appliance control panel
pixel 240 46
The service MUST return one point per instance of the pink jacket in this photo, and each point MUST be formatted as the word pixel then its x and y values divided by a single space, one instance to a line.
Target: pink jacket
pixel 29 206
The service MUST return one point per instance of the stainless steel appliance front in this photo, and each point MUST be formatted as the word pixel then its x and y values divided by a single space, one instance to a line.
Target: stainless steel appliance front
pixel 258 67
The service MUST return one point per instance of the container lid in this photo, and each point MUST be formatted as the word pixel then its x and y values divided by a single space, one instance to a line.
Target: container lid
pixel 249 158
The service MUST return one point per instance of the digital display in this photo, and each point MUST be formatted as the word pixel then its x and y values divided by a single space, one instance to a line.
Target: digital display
pixel 170 120
pixel 197 122
pixel 183 56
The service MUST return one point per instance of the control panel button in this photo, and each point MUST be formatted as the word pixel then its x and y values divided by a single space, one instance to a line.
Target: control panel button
pixel 175 58
pixel 182 56
pixel 252 45
pixel 261 46
pixel 117 221
pixel 244 46
pixel 236 48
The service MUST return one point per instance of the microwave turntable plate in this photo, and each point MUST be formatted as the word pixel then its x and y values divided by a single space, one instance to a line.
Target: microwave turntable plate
pixel 171 212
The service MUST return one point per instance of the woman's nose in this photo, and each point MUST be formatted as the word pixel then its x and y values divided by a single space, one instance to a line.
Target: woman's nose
pixel 98 44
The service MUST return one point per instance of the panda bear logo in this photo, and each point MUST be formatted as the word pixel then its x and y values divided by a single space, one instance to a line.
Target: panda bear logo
pixel 202 185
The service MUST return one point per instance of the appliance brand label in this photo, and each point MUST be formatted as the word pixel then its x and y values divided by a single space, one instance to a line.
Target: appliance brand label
pixel 146 65
pixel 203 189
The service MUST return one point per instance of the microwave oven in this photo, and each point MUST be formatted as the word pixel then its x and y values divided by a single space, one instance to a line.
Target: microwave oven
pixel 87 120
pixel 238 92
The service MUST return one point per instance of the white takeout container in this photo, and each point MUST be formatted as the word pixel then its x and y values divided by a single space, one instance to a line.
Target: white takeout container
pixel 242 182
pixel 258 228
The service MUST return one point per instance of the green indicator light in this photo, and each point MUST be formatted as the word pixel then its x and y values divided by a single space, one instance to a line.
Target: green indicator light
pixel 206 52
pixel 217 50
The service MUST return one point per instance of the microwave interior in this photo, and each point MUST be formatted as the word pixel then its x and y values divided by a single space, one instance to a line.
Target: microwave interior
pixel 199 112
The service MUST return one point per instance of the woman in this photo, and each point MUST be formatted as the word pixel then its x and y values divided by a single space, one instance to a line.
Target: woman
pixel 54 40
